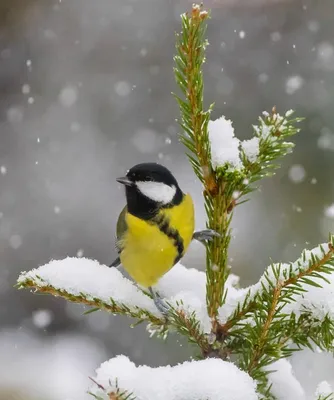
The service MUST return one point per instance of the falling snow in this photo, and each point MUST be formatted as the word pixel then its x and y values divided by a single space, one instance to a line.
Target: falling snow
pixel 56 210
pixel 26 89
pixel 15 241
pixel 329 211
pixel 68 96
pixel 14 115
pixel 42 318
pixel 293 84
pixel 145 140
pixel 122 88
pixel 297 173
pixel 80 253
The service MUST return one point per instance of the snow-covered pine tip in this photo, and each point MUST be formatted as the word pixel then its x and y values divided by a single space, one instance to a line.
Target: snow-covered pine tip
pixel 210 379
pixel 251 149
pixel 224 145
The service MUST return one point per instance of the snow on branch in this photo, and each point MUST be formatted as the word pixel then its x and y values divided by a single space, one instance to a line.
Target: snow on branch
pixel 284 385
pixel 324 391
pixel 210 379
pixel 304 279
pixel 85 281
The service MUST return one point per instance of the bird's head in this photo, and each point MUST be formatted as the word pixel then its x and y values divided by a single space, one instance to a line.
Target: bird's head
pixel 150 187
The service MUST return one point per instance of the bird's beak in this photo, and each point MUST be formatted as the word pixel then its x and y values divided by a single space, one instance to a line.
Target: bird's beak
pixel 125 181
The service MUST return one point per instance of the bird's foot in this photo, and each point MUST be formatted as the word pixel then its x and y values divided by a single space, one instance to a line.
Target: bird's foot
pixel 205 234
pixel 160 304
pixel 116 263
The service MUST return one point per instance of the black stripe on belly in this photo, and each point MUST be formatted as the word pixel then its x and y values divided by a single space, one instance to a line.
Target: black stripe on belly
pixel 163 224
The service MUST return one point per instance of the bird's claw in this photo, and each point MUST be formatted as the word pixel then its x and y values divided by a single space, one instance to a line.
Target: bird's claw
pixel 205 234
pixel 160 304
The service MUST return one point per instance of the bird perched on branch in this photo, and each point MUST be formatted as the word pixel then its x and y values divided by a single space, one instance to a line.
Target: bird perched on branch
pixel 155 227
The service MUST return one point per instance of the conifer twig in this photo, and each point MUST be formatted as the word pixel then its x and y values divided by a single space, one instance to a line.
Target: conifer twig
pixel 278 295
pixel 191 44
pixel 262 339
pixel 188 326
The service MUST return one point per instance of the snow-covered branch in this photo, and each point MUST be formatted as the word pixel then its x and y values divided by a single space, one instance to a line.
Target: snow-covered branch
pixel 85 281
pixel 210 379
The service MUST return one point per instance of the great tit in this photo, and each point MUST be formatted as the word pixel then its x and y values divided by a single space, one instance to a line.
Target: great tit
pixel 155 227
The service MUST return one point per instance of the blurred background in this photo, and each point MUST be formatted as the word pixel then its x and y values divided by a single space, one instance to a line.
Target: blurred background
pixel 84 95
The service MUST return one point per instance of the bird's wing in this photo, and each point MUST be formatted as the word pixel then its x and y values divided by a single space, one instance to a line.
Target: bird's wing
pixel 121 228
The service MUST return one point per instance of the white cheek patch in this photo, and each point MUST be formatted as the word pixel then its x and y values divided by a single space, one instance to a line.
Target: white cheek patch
pixel 157 191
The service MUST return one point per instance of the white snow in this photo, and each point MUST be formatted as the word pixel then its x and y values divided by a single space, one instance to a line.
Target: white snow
pixel 325 56
pixel 15 115
pixel 87 277
pixel 3 170
pixel 26 89
pixel 184 289
pixel 146 140
pixel 293 83
pixel 40 367
pixel 285 386
pixel 297 173
pixel 263 78
pixel 42 318
pixel 210 379
pixel 15 241
pixel 122 88
pixel 329 211
pixel 275 36
pixel 251 148
pixel 326 140
pixel 68 96
pixel 313 26
pixel 56 209
pixel 80 253
pixel 323 389
pixel 319 302
pixel 224 145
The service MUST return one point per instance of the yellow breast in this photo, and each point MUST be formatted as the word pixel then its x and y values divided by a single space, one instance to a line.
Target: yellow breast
pixel 148 253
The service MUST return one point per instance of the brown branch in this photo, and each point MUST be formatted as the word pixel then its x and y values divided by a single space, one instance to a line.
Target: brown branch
pixel 195 334
pixel 181 321
pixel 237 317
pixel 264 333
pixel 114 308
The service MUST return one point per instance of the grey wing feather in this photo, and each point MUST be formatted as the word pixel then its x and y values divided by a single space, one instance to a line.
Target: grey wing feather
pixel 121 229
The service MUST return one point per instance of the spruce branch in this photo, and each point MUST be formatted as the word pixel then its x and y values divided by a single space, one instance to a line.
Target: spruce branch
pixel 190 46
pixel 223 186
pixel 266 329
pixel 185 324
pixel 97 304
pixel 271 134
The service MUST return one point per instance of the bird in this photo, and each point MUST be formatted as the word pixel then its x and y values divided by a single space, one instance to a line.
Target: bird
pixel 155 227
